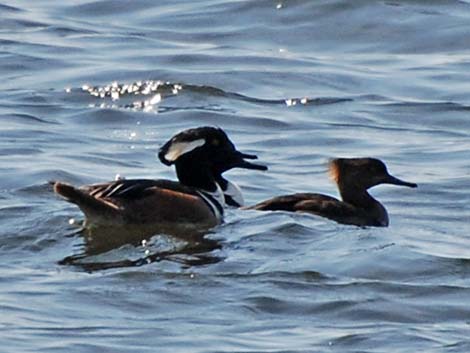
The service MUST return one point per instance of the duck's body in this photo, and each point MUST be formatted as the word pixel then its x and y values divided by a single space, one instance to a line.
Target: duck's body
pixel 357 207
pixel 328 207
pixel 144 201
pixel 196 201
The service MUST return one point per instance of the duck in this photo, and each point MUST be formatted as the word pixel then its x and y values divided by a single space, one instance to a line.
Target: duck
pixel 196 201
pixel 353 177
pixel 221 162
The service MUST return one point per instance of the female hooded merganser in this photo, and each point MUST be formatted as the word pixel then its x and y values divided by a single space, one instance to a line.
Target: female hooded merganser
pixel 353 177
pixel 196 201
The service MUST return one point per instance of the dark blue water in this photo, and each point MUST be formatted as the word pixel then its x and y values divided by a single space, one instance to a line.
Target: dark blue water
pixel 295 82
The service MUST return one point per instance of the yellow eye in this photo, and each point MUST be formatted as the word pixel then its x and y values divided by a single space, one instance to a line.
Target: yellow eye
pixel 215 142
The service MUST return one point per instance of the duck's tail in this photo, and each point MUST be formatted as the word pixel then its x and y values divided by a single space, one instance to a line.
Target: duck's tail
pixel 91 206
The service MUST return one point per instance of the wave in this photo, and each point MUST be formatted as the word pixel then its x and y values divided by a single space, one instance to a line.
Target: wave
pixel 123 95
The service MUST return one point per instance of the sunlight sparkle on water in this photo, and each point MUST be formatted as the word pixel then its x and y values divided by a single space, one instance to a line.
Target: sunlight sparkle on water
pixel 176 89
pixel 115 89
pixel 155 99
pixel 123 92
pixel 291 102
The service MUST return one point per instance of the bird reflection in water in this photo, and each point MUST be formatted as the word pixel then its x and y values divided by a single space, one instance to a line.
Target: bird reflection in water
pixel 189 247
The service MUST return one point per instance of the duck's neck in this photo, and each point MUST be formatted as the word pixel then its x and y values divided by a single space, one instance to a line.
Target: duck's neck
pixel 360 198
pixel 195 173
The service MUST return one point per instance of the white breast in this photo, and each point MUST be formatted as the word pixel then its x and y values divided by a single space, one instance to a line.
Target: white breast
pixel 234 191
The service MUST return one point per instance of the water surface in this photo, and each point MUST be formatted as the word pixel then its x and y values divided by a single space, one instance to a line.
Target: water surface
pixel 295 82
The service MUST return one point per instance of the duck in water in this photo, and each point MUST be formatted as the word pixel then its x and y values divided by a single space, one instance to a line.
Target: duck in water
pixel 353 176
pixel 200 157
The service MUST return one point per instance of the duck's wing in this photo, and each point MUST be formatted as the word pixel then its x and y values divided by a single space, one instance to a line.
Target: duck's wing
pixel 325 206
pixel 132 189
pixel 321 205
pixel 140 201
pixel 296 202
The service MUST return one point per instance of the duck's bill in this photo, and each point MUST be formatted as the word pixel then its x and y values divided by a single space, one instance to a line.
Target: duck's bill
pixel 395 181
pixel 248 165
pixel 248 156
pixel 242 163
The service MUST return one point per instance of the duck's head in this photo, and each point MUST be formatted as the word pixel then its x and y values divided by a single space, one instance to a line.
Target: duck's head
pixel 206 148
pixel 362 173
pixel 209 145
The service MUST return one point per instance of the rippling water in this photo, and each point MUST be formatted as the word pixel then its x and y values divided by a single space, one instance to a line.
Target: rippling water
pixel 296 82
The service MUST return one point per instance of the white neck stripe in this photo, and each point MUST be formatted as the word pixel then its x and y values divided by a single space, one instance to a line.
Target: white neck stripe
pixel 210 200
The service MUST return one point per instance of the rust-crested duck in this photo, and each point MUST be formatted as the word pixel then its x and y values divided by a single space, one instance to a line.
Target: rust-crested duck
pixel 354 176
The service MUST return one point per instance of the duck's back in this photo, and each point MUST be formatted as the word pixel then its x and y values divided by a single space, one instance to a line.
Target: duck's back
pixel 139 201
pixel 318 204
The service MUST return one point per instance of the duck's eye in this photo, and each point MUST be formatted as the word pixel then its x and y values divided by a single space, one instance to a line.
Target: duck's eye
pixel 215 142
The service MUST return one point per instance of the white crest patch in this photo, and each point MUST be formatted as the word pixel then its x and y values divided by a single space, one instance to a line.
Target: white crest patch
pixel 177 149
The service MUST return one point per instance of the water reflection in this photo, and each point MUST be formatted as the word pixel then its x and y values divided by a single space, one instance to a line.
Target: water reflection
pixel 114 247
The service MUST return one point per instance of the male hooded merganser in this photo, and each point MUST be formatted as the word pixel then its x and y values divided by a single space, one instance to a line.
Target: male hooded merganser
pixel 196 201
pixel 353 177
pixel 221 161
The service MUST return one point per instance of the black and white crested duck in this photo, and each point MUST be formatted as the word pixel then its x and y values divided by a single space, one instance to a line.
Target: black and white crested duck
pixel 353 176
pixel 200 156
pixel 222 157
